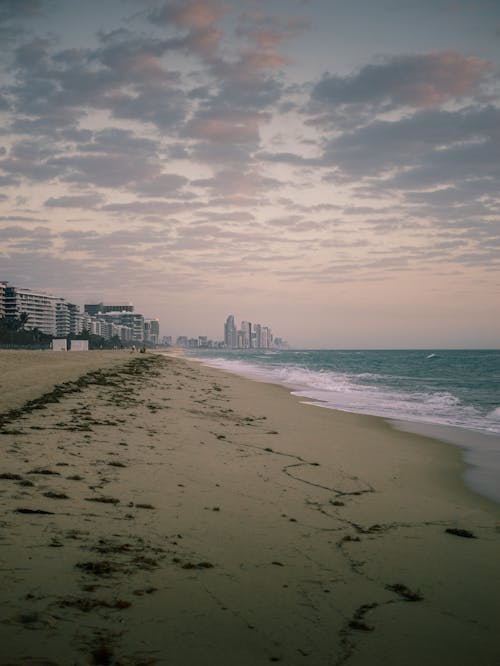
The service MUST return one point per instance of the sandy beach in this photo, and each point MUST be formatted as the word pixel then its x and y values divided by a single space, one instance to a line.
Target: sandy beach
pixel 155 511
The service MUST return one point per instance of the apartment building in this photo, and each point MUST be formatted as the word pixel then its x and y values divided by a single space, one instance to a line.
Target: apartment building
pixel 152 331
pixel 97 308
pixel 2 307
pixel 58 317
pixel 131 320
pixel 50 314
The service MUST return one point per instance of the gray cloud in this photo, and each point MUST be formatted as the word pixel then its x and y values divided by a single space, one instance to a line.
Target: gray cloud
pixel 102 170
pixel 406 80
pixel 77 201
pixel 142 208
pixel 383 145
pixel 163 185
pixel 246 183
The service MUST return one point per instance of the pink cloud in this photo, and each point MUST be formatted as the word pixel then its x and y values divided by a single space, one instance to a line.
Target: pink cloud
pixel 199 18
pixel 443 76
pixel 239 183
pixel 255 60
pixel 204 42
pixel 231 127
pixel 421 81
pixel 266 33
pixel 199 15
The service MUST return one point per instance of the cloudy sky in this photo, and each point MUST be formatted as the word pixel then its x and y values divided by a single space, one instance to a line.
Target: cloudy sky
pixel 329 168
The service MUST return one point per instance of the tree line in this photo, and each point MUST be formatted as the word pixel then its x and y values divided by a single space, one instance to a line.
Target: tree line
pixel 15 333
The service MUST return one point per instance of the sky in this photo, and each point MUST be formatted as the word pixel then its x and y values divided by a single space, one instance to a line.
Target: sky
pixel 329 168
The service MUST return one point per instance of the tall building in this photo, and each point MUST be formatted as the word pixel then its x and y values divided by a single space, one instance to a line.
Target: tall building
pixel 246 329
pixel 3 285
pixel 257 339
pixel 95 308
pixel 266 337
pixel 50 314
pixel 132 320
pixel 230 334
pixel 249 336
pixel 152 331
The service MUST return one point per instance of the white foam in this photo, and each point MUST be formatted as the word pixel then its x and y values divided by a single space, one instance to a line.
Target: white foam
pixel 362 394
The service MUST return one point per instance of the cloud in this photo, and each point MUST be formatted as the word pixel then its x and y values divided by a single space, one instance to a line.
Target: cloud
pixel 143 208
pixel 16 232
pixel 231 127
pixel 199 18
pixel 138 241
pixel 118 141
pixel 17 238
pixel 124 74
pixel 79 201
pixel 102 170
pixel 164 185
pixel 419 81
pixel 15 9
pixel 241 183
pixel 456 164
pixel 411 141
pixel 265 33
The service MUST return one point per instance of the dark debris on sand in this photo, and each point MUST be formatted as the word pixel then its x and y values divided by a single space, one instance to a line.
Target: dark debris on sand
pixel 404 592
pixel 460 532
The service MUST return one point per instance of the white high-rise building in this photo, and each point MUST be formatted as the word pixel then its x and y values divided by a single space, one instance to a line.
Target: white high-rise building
pixel 246 329
pixel 50 314
pixel 230 333
pixel 152 331
pixel 2 306
pixel 257 336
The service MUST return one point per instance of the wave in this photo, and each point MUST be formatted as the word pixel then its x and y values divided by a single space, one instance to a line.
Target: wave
pixel 389 396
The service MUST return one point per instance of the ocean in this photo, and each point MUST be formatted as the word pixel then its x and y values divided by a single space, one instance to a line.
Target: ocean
pixel 452 395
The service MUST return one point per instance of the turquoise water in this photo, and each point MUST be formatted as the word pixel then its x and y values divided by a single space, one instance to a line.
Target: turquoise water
pixel 455 394
pixel 457 388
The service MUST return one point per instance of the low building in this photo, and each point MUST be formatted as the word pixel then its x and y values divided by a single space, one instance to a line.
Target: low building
pixel 79 345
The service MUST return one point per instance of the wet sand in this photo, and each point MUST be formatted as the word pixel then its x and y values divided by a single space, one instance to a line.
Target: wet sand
pixel 156 511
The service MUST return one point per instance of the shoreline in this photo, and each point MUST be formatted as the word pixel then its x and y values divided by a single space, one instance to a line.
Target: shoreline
pixel 482 473
pixel 482 460
pixel 164 512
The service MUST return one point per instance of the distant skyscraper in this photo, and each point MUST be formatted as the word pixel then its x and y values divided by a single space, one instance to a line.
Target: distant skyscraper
pixel 230 336
pixel 248 336
pixel 257 336
pixel 246 328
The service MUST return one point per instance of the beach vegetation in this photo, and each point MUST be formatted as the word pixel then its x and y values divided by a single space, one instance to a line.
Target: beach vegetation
pixel 13 333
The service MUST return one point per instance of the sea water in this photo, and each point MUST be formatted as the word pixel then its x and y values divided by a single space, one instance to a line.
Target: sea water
pixel 453 395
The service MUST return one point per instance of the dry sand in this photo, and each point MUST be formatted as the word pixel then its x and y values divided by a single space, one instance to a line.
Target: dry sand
pixel 160 512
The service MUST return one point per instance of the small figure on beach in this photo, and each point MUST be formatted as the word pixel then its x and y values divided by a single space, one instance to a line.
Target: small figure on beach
pixel 132 349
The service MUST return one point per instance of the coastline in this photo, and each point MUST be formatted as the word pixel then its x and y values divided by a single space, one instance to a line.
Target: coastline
pixel 480 453
pixel 480 449
pixel 218 519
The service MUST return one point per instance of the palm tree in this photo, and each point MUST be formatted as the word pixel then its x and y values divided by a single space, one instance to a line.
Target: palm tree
pixel 12 324
pixel 23 320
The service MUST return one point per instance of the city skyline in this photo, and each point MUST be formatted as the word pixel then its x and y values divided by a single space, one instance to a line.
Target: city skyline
pixel 330 167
